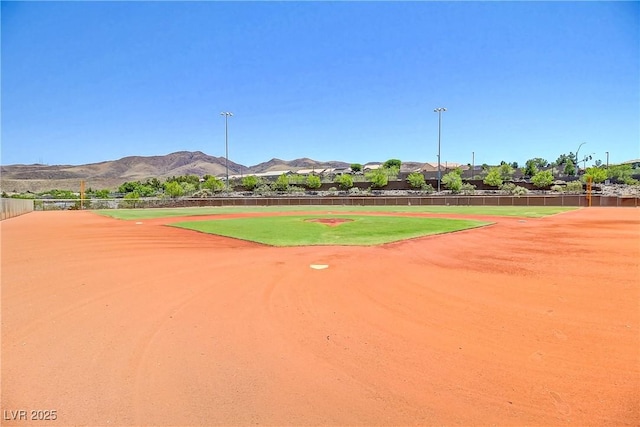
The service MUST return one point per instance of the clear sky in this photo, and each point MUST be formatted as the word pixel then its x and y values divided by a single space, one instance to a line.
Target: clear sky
pixel 85 82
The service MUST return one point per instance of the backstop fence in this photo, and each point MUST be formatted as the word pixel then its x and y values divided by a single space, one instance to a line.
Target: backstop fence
pixel 14 207
pixel 568 200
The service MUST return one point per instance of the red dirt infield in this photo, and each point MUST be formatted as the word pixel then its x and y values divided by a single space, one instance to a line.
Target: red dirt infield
pixel 526 322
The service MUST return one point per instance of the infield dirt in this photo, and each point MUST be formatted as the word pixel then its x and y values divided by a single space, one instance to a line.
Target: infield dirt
pixel 528 321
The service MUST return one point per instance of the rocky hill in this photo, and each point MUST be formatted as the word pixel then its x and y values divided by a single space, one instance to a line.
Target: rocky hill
pixel 110 174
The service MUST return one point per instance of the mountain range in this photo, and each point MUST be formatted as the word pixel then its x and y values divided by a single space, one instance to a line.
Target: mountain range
pixel 110 174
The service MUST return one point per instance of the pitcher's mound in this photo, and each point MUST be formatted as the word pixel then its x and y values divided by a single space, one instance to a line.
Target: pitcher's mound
pixel 331 222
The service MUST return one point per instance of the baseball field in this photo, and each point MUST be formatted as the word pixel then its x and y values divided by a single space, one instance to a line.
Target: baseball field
pixel 321 316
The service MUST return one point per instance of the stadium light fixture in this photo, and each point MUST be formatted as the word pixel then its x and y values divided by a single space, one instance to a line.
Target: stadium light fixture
pixel 439 110
pixel 226 115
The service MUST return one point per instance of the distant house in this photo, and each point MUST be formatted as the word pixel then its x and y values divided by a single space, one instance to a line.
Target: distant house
pixel 445 167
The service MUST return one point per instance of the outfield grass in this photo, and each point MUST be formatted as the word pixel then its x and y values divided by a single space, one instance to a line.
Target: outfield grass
pixel 514 211
pixel 297 231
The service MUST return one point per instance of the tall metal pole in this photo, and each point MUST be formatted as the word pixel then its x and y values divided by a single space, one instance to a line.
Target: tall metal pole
pixel 439 110
pixel 607 159
pixel 473 164
pixel 578 159
pixel 226 115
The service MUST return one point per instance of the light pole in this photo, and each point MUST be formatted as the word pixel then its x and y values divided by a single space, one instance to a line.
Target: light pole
pixel 226 115
pixel 607 159
pixel 439 110
pixel 577 159
pixel 473 164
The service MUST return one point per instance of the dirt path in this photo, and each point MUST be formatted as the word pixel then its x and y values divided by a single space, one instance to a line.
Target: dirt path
pixel 531 321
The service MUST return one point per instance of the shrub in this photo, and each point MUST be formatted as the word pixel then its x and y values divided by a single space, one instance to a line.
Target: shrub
pixel 468 188
pixel 282 183
pixel 205 192
pixel 507 187
pixel 295 189
pixel 573 187
pixel 392 172
pixel 313 182
pixel 173 189
pixel 378 178
pixel 263 189
pixel 493 178
pixel 542 179
pixel 213 184
pixel 354 191
pixel 453 181
pixel 251 182
pixel 557 188
pixel 356 167
pixel 416 180
pixel 345 181
pixel 131 199
pixel 519 191
pixel 513 189
pixel 188 187
pixel 427 188
pixel 596 174
pixel 297 179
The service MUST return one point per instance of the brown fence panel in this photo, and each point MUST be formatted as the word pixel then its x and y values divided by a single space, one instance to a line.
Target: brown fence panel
pixel 628 202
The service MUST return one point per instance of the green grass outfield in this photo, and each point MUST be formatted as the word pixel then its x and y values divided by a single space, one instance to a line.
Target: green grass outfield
pixel 513 211
pixel 297 231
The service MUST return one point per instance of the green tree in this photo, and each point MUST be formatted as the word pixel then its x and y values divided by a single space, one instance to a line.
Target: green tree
pixel 102 194
pixel 563 159
pixel 344 181
pixel 540 163
pixel 282 183
pixel 251 182
pixel 453 181
pixel 377 177
pixel 154 183
pixel 493 178
pixel 621 173
pixel 416 180
pixel 506 171
pixel 569 168
pixel 173 189
pixel 596 174
pixel 530 168
pixel 313 182
pixel 128 187
pixel 392 163
pixel 146 190
pixel 214 184
pixel 356 167
pixel 392 172
pixel 542 179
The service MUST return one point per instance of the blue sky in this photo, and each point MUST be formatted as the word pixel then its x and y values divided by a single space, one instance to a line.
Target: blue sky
pixel 85 82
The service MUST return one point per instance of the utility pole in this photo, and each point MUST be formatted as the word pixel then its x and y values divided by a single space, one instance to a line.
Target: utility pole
pixel 439 110
pixel 226 115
